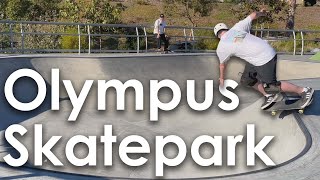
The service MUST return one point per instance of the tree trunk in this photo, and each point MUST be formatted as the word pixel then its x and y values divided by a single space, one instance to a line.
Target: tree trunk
pixel 292 9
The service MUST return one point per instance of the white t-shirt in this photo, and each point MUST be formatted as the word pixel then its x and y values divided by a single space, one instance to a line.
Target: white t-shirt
pixel 159 26
pixel 240 43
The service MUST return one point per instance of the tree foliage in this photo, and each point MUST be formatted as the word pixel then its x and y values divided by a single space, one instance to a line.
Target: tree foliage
pixel 70 10
pixel 192 10
pixel 72 42
pixel 310 2
pixel 291 13
pixel 44 10
pixel 93 11
pixel 33 10
pixel 17 9
pixel 277 10
pixel 78 11
pixel 101 11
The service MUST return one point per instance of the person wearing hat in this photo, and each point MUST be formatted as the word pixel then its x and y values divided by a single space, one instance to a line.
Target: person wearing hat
pixel 159 31
pixel 261 60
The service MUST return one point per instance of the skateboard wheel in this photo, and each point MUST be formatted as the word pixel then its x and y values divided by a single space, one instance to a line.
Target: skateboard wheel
pixel 273 113
pixel 301 111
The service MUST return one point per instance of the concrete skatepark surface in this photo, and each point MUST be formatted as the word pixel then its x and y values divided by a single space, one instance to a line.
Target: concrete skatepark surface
pixel 294 148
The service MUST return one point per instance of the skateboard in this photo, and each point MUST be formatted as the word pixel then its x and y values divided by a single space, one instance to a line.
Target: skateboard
pixel 286 102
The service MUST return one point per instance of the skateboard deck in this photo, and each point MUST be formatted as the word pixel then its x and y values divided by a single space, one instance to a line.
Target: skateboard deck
pixel 285 102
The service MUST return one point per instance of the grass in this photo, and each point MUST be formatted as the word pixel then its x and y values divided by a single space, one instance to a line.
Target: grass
pixel 140 14
pixel 288 45
pixel 316 57
pixel 222 12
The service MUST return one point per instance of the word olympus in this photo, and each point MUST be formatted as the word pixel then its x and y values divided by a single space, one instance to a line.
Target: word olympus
pixel 103 85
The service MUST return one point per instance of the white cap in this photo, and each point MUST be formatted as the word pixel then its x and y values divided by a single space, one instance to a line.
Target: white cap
pixel 220 26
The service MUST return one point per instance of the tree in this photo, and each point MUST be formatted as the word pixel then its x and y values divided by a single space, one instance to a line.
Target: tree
pixel 44 10
pixel 310 2
pixel 101 11
pixel 277 10
pixel 29 10
pixel 192 10
pixel 94 11
pixel 3 5
pixel 292 10
pixel 70 10
pixel 17 9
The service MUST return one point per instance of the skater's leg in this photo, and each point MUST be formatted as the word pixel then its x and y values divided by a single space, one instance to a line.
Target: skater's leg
pixel 306 93
pixel 291 88
pixel 269 97
pixel 259 87
pixel 249 78
pixel 158 42
pixel 163 39
pixel 267 75
pixel 269 86
pixel 166 43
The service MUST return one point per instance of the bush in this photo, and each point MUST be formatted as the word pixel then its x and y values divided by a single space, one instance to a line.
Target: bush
pixel 288 46
pixel 110 43
pixel 72 42
pixel 310 2
pixel 207 44
pixel 283 46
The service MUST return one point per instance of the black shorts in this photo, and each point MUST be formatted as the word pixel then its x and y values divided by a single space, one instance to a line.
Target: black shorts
pixel 266 74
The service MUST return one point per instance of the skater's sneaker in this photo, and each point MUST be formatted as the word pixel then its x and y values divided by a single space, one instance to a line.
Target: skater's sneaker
pixel 269 99
pixel 306 96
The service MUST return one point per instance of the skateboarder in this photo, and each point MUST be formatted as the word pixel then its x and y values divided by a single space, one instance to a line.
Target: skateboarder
pixel 261 60
pixel 159 32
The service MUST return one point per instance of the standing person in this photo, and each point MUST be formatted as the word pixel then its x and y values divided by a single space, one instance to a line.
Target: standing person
pixel 159 31
pixel 260 57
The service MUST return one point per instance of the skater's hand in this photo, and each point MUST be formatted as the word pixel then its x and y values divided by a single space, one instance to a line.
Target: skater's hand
pixel 257 14
pixel 158 36
pixel 221 81
pixel 263 12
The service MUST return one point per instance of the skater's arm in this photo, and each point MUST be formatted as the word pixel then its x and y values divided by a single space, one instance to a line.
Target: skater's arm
pixel 221 79
pixel 257 14
pixel 223 56
pixel 245 24
pixel 157 27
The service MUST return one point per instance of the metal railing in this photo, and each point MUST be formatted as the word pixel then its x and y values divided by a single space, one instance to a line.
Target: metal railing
pixel 47 37
pixel 299 38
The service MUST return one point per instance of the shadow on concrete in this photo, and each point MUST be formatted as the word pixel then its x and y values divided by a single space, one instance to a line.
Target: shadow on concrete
pixel 25 90
pixel 314 108
pixel 284 114
pixel 44 174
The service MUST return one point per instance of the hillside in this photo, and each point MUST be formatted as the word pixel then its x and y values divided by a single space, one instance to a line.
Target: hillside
pixel 306 17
